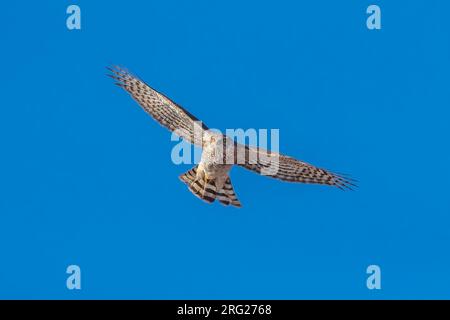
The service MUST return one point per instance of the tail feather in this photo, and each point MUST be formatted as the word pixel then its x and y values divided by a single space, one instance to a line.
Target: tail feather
pixel 189 176
pixel 207 190
pixel 199 187
pixel 227 195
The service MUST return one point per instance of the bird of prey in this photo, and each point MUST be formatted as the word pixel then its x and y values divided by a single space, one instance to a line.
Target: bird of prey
pixel 209 180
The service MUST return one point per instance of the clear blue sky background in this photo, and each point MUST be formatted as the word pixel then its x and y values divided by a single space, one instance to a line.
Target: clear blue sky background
pixel 86 176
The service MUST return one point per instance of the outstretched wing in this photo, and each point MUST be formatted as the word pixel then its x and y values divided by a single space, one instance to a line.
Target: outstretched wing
pixel 285 168
pixel 161 108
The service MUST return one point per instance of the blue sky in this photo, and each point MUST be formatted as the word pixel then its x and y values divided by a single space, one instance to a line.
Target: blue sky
pixel 86 176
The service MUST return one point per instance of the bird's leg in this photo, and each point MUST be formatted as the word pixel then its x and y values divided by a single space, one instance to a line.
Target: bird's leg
pixel 206 182
pixel 198 177
pixel 192 181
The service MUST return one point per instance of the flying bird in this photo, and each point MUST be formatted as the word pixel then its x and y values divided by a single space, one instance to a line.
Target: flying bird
pixel 210 180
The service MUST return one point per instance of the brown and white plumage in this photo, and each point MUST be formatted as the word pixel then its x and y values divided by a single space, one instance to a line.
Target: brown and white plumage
pixel 161 108
pixel 289 169
pixel 209 180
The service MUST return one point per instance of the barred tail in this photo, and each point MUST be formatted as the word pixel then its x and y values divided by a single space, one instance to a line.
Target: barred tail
pixel 227 195
pixel 207 190
pixel 201 188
